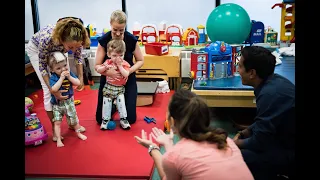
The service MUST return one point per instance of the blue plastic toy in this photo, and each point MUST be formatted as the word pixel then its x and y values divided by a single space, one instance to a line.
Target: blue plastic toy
pixel 111 125
pixel 149 120
pixel 219 60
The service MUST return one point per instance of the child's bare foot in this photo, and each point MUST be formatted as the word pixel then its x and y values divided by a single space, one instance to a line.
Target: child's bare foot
pixel 54 138
pixel 81 136
pixel 59 143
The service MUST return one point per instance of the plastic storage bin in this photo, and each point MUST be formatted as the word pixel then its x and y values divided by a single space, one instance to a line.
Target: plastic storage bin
pixel 94 41
pixel 157 49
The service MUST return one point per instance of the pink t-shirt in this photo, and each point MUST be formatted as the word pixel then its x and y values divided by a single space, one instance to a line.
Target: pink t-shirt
pixel 189 159
pixel 119 81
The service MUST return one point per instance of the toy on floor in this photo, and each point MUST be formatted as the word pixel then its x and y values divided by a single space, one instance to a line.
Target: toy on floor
pixel 35 133
pixel 149 120
pixel 77 102
pixel 28 102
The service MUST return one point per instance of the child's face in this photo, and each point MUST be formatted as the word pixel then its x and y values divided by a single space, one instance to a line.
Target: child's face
pixel 114 55
pixel 60 67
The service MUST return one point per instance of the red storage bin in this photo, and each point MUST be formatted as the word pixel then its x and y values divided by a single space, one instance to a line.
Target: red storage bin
pixel 157 49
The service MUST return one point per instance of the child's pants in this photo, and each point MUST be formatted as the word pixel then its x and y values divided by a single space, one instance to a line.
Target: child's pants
pixel 65 107
pixel 111 92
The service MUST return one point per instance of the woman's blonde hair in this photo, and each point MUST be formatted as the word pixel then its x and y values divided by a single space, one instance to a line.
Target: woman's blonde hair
pixel 119 17
pixel 69 29
pixel 192 119
pixel 117 46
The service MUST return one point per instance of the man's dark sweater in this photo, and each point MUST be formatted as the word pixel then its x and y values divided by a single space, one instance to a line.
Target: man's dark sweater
pixel 273 132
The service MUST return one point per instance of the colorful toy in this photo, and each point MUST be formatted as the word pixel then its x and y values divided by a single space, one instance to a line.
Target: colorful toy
pixel 111 125
pixel 166 126
pixel 35 133
pixel 229 23
pixel 149 30
pixel 136 31
pixel 149 120
pixel 105 30
pixel 174 30
pixel 162 31
pixel 199 63
pixel 270 36
pixel 219 60
pixel 256 34
pixel 287 20
pixel 28 102
pixel 27 110
pixel 203 38
pixel 77 102
pixel 190 37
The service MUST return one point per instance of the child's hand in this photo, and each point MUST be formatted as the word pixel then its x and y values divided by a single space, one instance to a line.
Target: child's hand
pixel 64 74
pixel 119 61
pixel 67 74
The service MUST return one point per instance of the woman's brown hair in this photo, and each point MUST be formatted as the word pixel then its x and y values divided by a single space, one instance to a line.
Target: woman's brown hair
pixel 192 119
pixel 70 29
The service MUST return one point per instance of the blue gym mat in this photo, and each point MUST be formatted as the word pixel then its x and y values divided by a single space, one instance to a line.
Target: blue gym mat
pixel 286 69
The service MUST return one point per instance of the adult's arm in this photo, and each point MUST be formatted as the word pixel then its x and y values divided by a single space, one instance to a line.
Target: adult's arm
pixel 139 59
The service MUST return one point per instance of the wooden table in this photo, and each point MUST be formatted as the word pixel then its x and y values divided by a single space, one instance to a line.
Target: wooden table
pixel 165 67
pixel 243 98
pixel 28 69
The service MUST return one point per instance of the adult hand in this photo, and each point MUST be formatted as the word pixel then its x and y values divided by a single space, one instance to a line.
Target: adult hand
pixel 236 137
pixel 245 133
pixel 160 137
pixel 113 73
pixel 58 95
pixel 144 141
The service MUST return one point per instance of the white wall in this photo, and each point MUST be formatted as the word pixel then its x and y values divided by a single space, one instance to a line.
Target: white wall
pixel 90 11
pixel 260 10
pixel 184 12
pixel 187 13
pixel 28 32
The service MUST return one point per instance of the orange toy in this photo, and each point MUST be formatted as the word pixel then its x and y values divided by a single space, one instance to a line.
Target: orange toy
pixel 76 102
pixel 166 126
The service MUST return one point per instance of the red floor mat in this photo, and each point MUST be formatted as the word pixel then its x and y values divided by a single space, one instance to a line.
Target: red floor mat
pixel 105 154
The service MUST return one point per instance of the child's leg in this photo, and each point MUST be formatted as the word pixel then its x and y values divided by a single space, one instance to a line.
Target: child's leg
pixel 106 112
pixel 121 105
pixel 57 130
pixel 77 128
pixel 72 118
pixel 57 116
pixel 73 121
pixel 82 129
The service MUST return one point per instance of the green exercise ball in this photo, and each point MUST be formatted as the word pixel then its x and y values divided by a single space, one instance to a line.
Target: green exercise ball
pixel 229 23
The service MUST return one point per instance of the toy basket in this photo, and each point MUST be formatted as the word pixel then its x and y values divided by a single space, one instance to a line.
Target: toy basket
pixel 157 49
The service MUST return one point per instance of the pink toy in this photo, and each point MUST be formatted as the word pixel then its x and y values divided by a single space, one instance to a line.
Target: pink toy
pixel 35 133
pixel 26 108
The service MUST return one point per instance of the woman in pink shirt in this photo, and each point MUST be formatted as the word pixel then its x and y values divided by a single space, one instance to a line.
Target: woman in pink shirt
pixel 203 152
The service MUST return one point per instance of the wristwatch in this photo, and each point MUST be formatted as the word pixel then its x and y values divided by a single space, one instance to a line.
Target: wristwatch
pixel 152 147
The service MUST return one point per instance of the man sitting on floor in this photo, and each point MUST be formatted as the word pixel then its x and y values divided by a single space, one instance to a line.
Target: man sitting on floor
pixel 268 144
